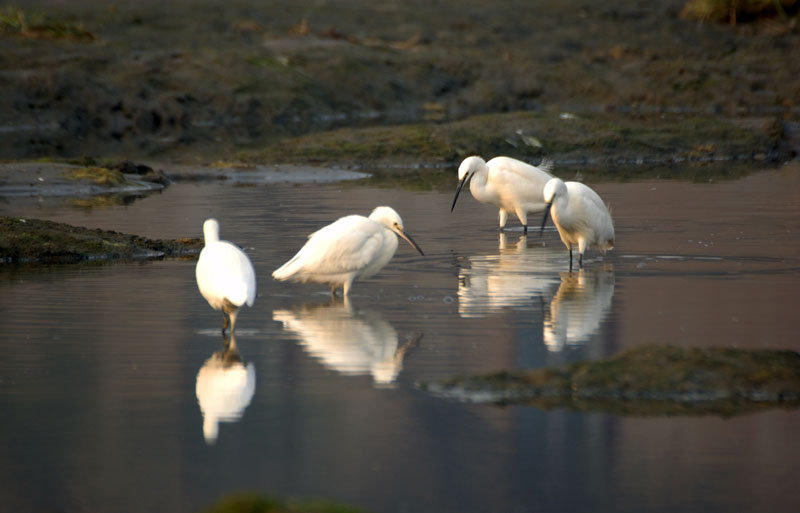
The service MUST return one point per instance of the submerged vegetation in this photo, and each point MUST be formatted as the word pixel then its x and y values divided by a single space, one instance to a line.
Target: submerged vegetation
pixel 649 380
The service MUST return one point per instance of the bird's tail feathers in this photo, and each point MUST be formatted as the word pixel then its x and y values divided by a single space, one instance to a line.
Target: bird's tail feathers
pixel 237 295
pixel 285 271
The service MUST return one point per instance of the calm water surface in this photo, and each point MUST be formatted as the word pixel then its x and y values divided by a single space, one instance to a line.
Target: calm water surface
pixel 115 396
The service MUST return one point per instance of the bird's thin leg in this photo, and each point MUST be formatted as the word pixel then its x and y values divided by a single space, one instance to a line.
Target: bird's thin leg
pixel 233 320
pixel 224 322
pixel 503 217
pixel 333 291
pixel 580 260
pixel 525 229
pixel 570 259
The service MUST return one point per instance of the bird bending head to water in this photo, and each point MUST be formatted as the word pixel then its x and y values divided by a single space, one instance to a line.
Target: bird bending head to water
pixel 509 184
pixel 351 247
pixel 224 275
pixel 580 215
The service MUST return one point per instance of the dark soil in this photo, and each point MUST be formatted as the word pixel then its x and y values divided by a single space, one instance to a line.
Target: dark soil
pixel 201 79
pixel 38 241
pixel 649 380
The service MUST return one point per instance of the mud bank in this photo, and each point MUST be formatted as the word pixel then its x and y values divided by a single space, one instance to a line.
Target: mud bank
pixel 566 138
pixel 38 241
pixel 652 380
pixel 61 179
pixel 200 80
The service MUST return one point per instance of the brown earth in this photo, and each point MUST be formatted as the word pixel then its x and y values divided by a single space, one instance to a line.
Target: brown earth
pixel 648 380
pixel 199 80
pixel 25 241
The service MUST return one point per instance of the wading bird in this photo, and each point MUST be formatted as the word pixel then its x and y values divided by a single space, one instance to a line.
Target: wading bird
pixel 351 247
pixel 509 184
pixel 224 275
pixel 580 216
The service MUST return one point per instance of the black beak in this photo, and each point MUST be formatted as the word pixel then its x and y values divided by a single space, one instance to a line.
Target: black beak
pixel 460 185
pixel 408 239
pixel 544 219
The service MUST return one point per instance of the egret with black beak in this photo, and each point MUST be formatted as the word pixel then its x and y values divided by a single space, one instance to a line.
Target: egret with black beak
pixel 580 215
pixel 351 247
pixel 509 184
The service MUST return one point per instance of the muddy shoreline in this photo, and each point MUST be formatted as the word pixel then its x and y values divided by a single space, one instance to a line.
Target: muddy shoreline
pixel 34 241
pixel 649 380
pixel 202 81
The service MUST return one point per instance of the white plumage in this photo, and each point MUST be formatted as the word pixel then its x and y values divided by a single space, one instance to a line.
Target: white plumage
pixel 509 184
pixel 351 247
pixel 224 274
pixel 580 215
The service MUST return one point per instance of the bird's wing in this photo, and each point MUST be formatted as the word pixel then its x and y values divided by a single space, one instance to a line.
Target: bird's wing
pixel 508 167
pixel 517 181
pixel 343 246
pixel 590 211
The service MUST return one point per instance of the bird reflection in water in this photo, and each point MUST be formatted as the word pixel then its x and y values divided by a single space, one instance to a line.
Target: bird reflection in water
pixel 224 388
pixel 349 341
pixel 517 277
pixel 582 302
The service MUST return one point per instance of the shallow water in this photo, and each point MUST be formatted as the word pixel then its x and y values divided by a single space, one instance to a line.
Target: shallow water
pixel 103 364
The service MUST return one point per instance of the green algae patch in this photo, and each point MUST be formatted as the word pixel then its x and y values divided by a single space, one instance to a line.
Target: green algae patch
pixel 401 144
pixel 650 380
pixel 101 176
pixel 256 503
pixel 594 139
pixel 39 241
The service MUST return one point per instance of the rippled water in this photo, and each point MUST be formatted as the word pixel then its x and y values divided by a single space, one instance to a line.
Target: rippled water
pixel 117 396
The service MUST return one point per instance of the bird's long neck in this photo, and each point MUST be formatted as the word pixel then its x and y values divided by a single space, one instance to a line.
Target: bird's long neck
pixel 478 185
pixel 560 211
pixel 210 235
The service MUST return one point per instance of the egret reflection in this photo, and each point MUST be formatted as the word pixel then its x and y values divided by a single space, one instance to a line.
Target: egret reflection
pixel 349 341
pixel 582 302
pixel 224 388
pixel 517 277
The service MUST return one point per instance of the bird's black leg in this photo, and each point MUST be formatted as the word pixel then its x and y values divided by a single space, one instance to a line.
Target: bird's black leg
pixel 580 260
pixel 525 229
pixel 570 259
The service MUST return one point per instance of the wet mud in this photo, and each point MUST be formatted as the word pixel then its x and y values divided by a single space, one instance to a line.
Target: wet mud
pixel 198 81
pixel 28 241
pixel 649 380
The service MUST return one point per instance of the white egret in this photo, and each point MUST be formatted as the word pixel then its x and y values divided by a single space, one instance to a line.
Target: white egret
pixel 580 215
pixel 509 184
pixel 224 275
pixel 351 247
